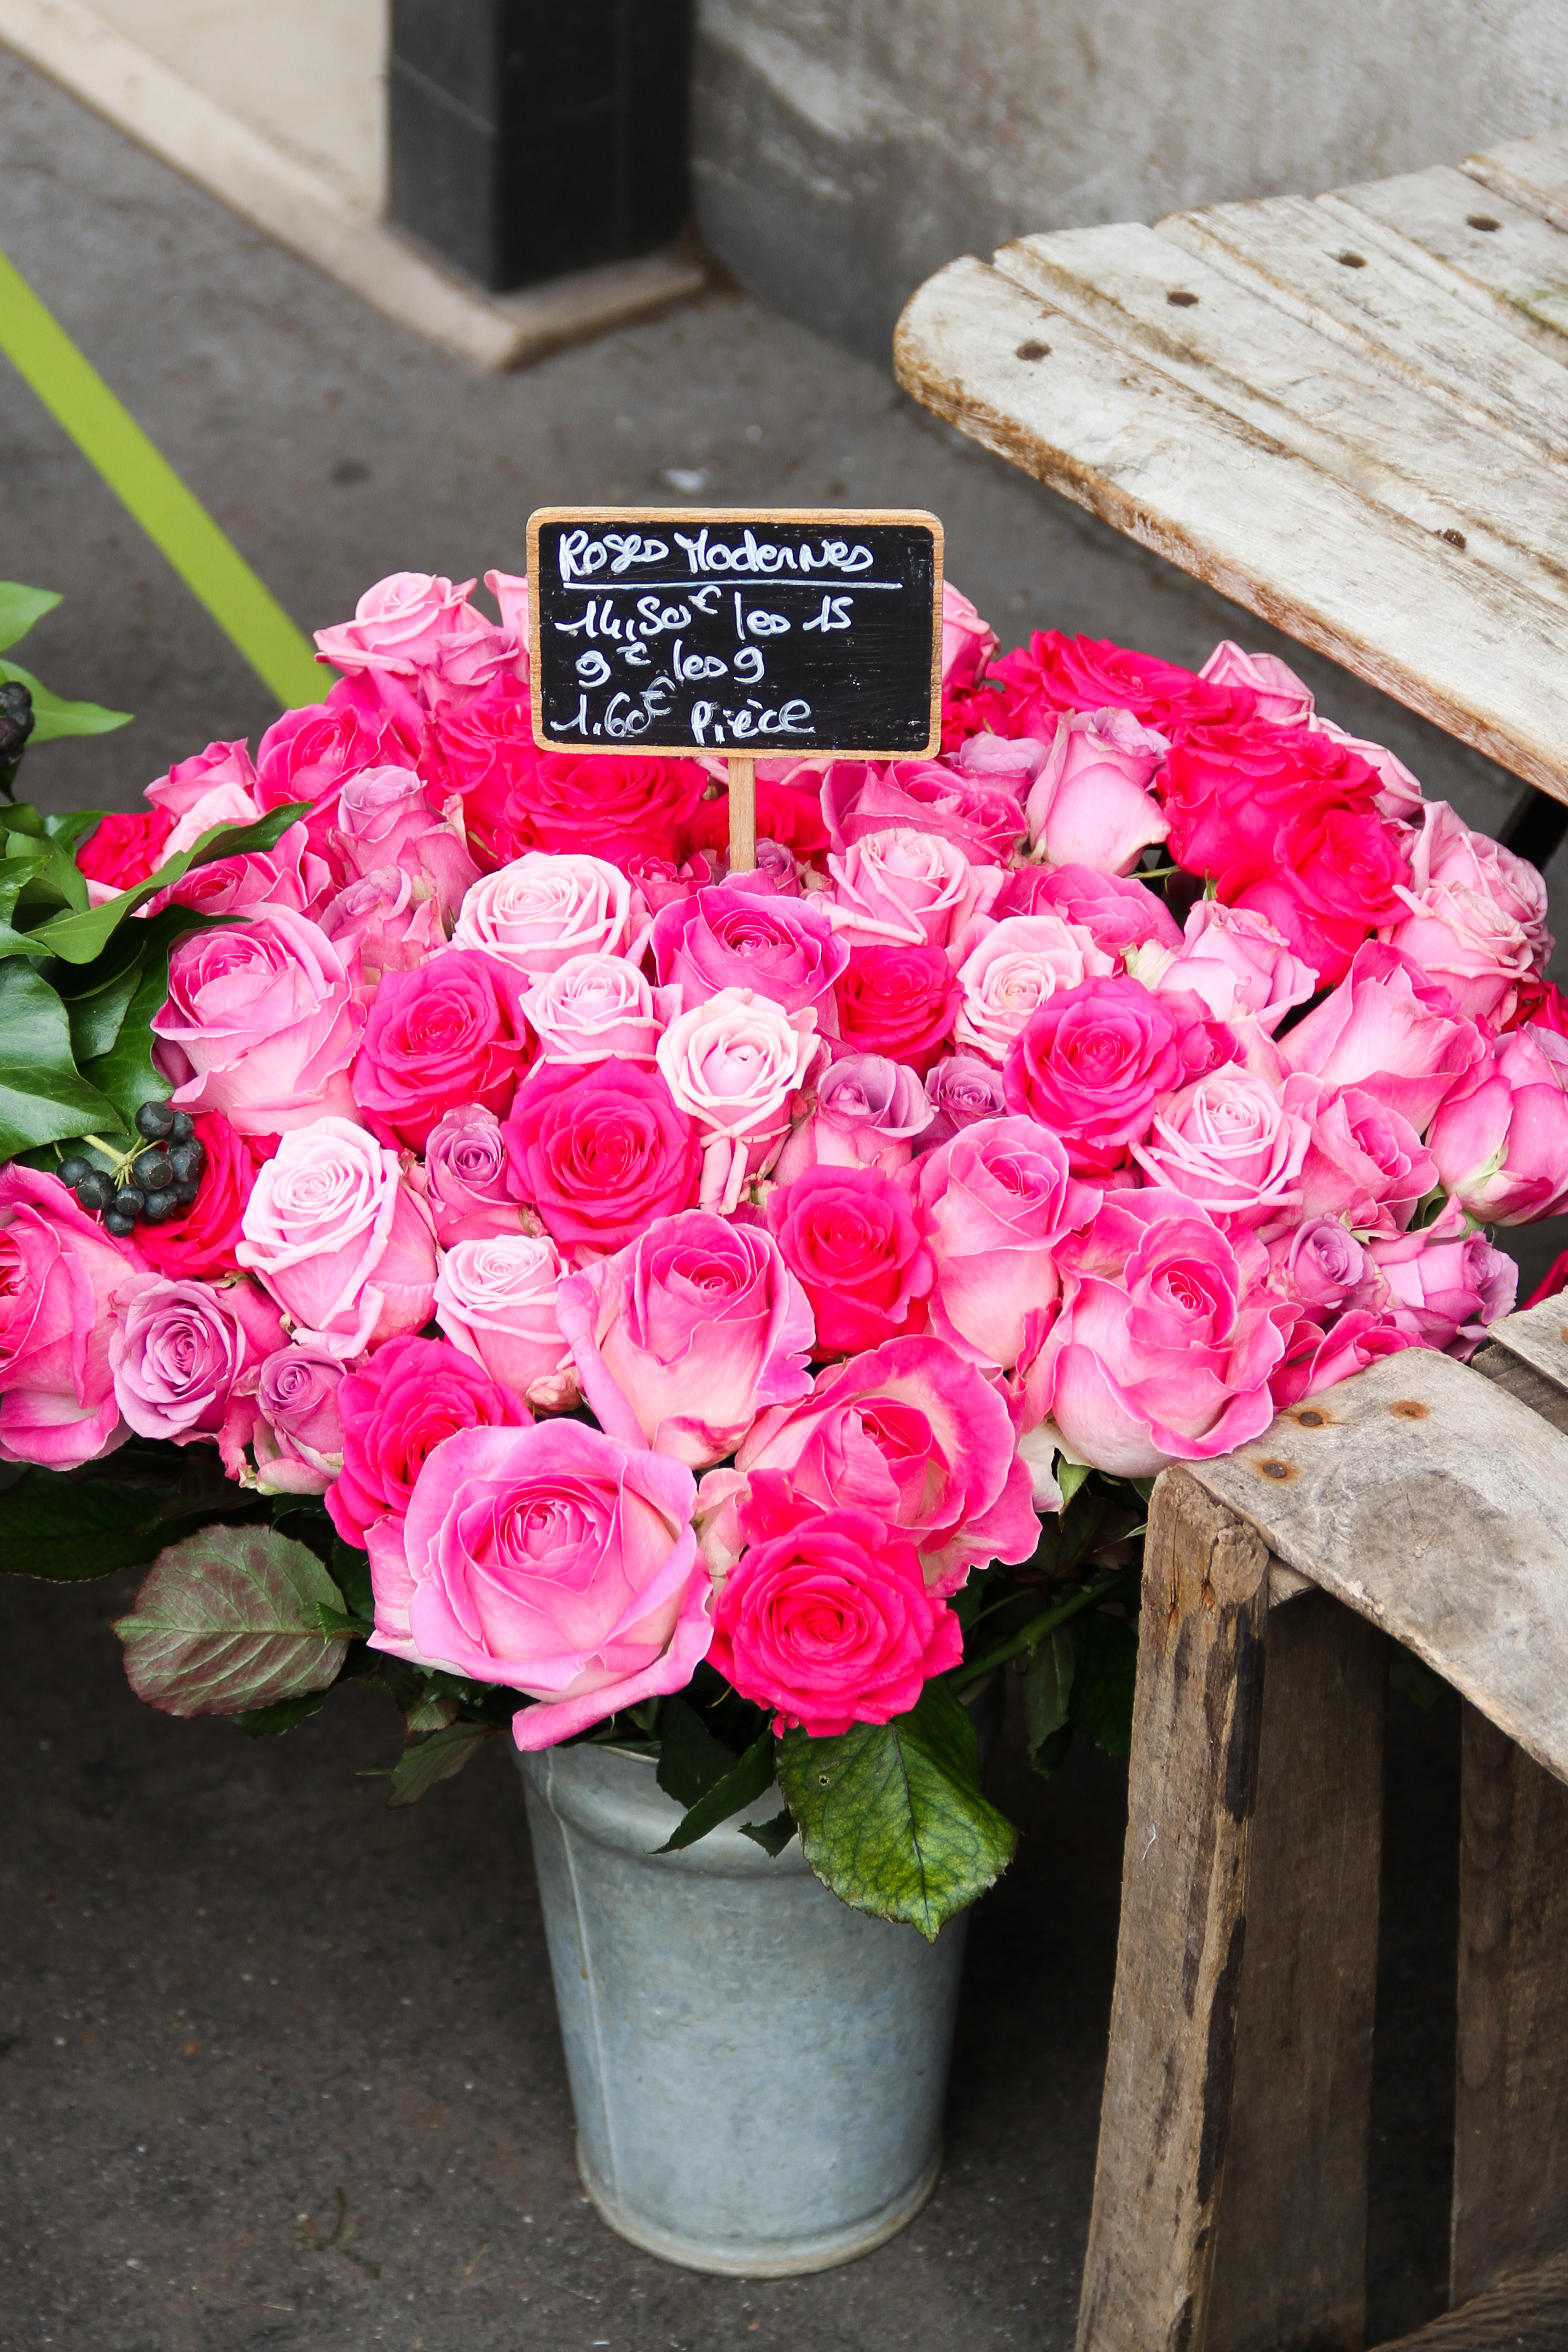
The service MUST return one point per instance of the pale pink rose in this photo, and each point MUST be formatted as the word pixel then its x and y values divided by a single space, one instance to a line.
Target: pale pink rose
pixel 466 1186
pixel 1229 1143
pixel 906 886
pixel 1119 913
pixel 408 623
pixel 1500 1141
pixel 556 1561
pixel 978 813
pixel 289 875
pixel 1091 803
pixel 1476 919
pixel 1365 1164
pixel 1236 962
pixel 1011 760
pixel 917 1434
pixel 297 1440
pixel 187 1358
pixel 189 781
pixel 378 925
pixel 867 1114
pixel 1156 1354
pixel 599 1006
pixel 495 1300
pixel 384 819
pixel 1324 1268
pixel 1389 1029
pixel 1278 695
pixel 60 1275
pixel 221 804
pixel 1012 970
pixel 543 911
pixel 1445 1284
pixel 735 1065
pixel 509 590
pixel 997 1199
pixel 967 641
pixel 341 1240
pixel 682 1340
pixel 1400 799
pixel 261 1023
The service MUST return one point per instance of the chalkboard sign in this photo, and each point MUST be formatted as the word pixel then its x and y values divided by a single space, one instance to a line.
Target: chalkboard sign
pixel 751 635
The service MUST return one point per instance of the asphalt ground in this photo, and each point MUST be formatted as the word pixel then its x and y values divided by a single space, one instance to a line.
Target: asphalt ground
pixel 279 2067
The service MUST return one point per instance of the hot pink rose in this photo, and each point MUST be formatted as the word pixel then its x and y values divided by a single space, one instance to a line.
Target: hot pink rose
pixel 308 755
pixel 1278 694
pixel 826 1618
pixel 1229 1143
pixel 850 1237
pixel 1091 1065
pixel 1012 969
pixel 867 1114
pixel 559 1563
pixel 608 806
pixel 915 1434
pixel 1091 803
pixel 900 888
pixel 1329 879
pixel 1500 1139
pixel 203 1241
pixel 1399 793
pixel 297 1439
pixel 735 937
pixel 899 1001
pixel 997 1199
pixel 465 1186
pixel 1054 673
pixel 1445 1284
pixel 1117 912
pixel 599 1152
pixel 960 1090
pixel 659 882
pixel 1365 1164
pixel 393 1412
pixel 1473 914
pixel 1389 1029
pixel 967 641
pixel 123 847
pixel 1154 1355
pixel 683 1338
pixel 60 1275
pixel 1238 963
pixel 261 1023
pixel 495 1300
pixel 487 750
pixel 979 814
pixel 341 1240
pixel 378 925
pixel 221 767
pixel 452 1031
pixel 541 913
pixel 187 1358
pixel 1230 791
pixel 597 1005
pixel 736 1065
pixel 408 623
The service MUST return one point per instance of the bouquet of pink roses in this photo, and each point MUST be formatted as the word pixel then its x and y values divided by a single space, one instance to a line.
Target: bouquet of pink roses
pixel 462 1235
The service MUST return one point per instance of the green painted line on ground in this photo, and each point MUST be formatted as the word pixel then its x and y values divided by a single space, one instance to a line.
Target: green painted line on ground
pixel 145 483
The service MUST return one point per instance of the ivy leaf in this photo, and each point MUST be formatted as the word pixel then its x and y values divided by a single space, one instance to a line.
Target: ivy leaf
pixel 351 1569
pixel 742 1785
pixel 124 1069
pixel 70 1529
pixel 79 938
pixel 891 1815
pixel 1105 1670
pixel 1048 1688
pixel 53 716
pixel 20 608
pixel 44 1098
pixel 97 1015
pixel 437 1757
pixel 226 1624
pixel 691 1759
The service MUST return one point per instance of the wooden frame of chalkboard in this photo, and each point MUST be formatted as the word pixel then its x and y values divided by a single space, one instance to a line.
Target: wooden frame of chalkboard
pixel 891 671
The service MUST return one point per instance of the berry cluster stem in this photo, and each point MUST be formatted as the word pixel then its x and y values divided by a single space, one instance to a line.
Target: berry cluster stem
pixel 122 1163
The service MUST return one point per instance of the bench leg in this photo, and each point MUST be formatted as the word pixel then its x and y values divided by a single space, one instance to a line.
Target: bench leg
pixel 1510 2128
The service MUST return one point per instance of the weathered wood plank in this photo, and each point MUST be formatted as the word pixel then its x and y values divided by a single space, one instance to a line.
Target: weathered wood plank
pixel 1288 248
pixel 1528 2313
pixel 1436 1505
pixel 1510 2126
pixel 1532 172
pixel 1496 256
pixel 1395 604
pixel 1196 1726
pixel 1311 392
pixel 1537 1336
pixel 1291 2247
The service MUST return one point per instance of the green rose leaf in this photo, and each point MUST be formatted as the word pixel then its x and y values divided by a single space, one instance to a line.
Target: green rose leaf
pixel 69 1529
pixel 53 716
pixel 226 1623
pixel 692 1761
pixel 1105 1670
pixel 771 1835
pixel 893 1817
pixel 44 1098
pixel 746 1780
pixel 20 608
pixel 272 1722
pixel 437 1757
pixel 1048 1688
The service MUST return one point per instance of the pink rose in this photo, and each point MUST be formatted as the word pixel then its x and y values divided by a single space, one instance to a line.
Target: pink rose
pixel 308 755
pixel 1499 1141
pixel 559 1563
pixel 541 913
pixel 60 1275
pixel 1011 760
pixel 299 1437
pixel 1229 1143
pixel 960 1090
pixel 1278 695
pixel 384 819
pixel 736 937
pixel 850 1238
pixel 1324 1268
pixel 1360 1338
pixel 826 1618
pixel 187 1359
pixel 393 1412
pixel 735 1065
pixel 1230 791
pixel 465 1186
pixel 452 1031
pixel 261 1023
pixel 998 1202
pixel 188 782
pixel 906 886
pixel 337 1235
pixel 407 622
pixel 1117 912
pixel 1154 1355
pixel 1238 963
pixel 1399 793
pixel 1473 916
pixel 913 1434
pixel 599 1152
pixel 597 1005
pixel 1091 803
pixel 967 641
pixel 377 926
pixel 979 814
pixel 495 1300
pixel 868 1112
pixel 659 882
pixel 1446 1285
pixel 291 875
pixel 1091 1065
pixel 1389 1029
pixel 682 1340
pixel 224 803
pixel 1015 967
pixel 1365 1164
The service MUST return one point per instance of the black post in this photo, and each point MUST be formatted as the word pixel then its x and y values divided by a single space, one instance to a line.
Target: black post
pixel 534 137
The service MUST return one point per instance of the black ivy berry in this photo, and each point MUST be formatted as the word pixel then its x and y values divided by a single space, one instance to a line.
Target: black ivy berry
pixel 187 1161
pixel 184 1190
pixel 95 1192
pixel 155 1121
pixel 159 1206
pixel 154 1171
pixel 73 1168
pixel 182 1128
pixel 119 1221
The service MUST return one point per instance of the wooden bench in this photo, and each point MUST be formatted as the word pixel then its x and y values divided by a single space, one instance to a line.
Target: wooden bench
pixel 1428 1501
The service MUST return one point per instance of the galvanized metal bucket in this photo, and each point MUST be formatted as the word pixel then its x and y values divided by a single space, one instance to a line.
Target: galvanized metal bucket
pixel 758 2071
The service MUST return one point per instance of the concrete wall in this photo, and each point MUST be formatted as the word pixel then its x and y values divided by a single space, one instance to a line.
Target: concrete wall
pixel 845 148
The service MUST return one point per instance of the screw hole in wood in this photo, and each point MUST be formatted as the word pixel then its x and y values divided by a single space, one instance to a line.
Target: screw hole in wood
pixel 1408 1409
pixel 1351 260
pixel 1033 351
pixel 1182 301
pixel 1454 537
pixel 1481 220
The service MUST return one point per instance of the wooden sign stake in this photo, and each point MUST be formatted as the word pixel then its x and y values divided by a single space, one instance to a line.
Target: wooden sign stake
pixel 742 814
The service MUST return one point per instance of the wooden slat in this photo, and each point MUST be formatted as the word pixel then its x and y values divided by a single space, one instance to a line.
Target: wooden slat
pixel 1290 2253
pixel 1532 172
pixel 1310 392
pixel 1525 2313
pixel 1515 271
pixel 1193 1779
pixel 1306 552
pixel 1511 2124
pixel 1436 1505
pixel 1288 247
pixel 1538 1336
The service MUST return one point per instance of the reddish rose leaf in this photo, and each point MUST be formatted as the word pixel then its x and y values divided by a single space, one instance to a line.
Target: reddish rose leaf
pixel 228 1622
